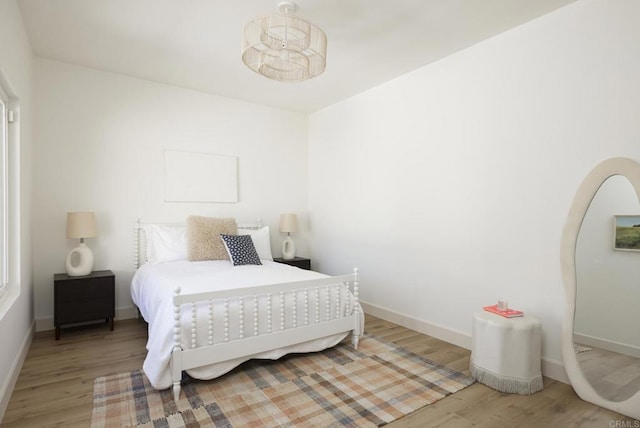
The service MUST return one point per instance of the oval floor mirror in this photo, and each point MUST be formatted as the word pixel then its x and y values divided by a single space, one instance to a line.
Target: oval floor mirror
pixel 614 381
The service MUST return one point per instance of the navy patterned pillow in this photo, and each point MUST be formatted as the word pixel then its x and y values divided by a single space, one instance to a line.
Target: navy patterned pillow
pixel 241 249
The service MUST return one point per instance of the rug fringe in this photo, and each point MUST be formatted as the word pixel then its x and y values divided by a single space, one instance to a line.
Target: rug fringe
pixel 507 384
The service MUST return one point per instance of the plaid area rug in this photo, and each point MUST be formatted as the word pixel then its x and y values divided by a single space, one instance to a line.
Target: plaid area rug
pixel 377 384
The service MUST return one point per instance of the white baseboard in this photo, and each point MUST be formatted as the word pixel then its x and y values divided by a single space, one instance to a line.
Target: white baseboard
pixel 550 367
pixel 45 324
pixel 555 370
pixel 14 372
pixel 447 334
pixel 126 313
pixel 609 345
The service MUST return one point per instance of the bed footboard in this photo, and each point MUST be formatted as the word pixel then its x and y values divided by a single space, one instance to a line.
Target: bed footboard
pixel 321 308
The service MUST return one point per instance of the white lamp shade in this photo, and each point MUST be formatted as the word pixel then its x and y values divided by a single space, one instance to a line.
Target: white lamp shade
pixel 81 225
pixel 288 223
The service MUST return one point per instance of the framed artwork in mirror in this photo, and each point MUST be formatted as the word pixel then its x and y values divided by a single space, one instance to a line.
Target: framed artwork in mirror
pixel 626 232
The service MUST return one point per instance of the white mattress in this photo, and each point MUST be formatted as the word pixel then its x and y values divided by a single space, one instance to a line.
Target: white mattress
pixel 152 291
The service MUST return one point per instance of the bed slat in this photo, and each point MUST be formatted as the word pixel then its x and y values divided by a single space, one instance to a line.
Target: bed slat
pixel 282 310
pixel 294 309
pixel 306 306
pixel 241 321
pixel 193 325
pixel 226 319
pixel 255 315
pixel 210 329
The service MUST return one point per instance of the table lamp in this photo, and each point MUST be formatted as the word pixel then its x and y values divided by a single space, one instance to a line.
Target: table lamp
pixel 288 225
pixel 80 225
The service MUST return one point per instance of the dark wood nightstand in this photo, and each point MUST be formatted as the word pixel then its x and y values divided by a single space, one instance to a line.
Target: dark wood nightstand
pixel 300 262
pixel 83 298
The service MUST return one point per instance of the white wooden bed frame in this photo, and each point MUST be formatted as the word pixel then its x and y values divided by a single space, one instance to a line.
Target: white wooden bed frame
pixel 335 321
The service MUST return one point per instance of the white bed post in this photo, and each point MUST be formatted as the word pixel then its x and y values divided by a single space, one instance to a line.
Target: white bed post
pixel 136 244
pixel 356 309
pixel 176 356
pixel 136 253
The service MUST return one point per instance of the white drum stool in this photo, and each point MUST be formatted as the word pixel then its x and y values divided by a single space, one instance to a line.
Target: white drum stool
pixel 505 352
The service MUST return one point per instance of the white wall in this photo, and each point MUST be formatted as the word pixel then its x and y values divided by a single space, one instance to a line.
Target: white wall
pixel 449 186
pixel 99 147
pixel 16 311
pixel 608 281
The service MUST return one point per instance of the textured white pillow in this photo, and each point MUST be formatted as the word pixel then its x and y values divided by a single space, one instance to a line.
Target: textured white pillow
pixel 165 243
pixel 261 241
pixel 203 237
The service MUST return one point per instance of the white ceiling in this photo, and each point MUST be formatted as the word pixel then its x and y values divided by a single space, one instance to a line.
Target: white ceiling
pixel 196 43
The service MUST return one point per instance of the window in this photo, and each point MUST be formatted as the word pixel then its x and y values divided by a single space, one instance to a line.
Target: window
pixel 9 198
pixel 4 192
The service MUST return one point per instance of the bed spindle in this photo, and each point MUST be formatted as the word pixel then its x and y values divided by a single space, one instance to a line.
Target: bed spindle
pixel 317 305
pixel 269 305
pixel 176 320
pixel 136 245
pixel 356 310
pixel 210 329
pixel 241 323
pixel 347 304
pixel 176 360
pixel 255 315
pixel 294 309
pixel 193 325
pixel 226 319
pixel 328 302
pixel 338 300
pixel 282 310
pixel 306 306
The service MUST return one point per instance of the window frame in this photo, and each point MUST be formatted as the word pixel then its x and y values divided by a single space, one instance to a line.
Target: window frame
pixel 4 193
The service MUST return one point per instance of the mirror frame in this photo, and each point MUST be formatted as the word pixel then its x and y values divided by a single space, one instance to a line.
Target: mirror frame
pixel 581 202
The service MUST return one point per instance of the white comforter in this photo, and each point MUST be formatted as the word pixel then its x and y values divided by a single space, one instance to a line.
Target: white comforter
pixel 152 291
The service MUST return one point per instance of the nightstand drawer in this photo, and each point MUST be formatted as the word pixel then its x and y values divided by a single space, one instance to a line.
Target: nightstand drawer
pixel 91 288
pixel 87 310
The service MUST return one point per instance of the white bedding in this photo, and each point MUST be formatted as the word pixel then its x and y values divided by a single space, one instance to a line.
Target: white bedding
pixel 152 291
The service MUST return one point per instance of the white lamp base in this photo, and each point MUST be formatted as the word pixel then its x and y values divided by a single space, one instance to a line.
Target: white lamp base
pixel 288 249
pixel 84 256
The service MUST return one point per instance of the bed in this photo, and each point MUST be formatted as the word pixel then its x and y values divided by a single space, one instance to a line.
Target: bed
pixel 206 317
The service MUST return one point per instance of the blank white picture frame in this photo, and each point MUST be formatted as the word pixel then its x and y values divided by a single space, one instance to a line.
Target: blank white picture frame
pixel 200 177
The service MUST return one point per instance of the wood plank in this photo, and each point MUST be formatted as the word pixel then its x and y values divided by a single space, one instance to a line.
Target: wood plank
pixel 55 385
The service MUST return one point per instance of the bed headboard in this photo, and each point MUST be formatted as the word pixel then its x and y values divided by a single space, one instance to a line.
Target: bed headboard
pixel 140 241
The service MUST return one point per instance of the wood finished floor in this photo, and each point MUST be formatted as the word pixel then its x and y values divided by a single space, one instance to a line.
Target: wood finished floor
pixel 614 376
pixel 56 383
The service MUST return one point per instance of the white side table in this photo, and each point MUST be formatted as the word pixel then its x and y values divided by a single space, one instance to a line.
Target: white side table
pixel 505 352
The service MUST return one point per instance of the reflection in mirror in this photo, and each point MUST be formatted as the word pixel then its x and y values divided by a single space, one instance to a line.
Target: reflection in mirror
pixel 606 332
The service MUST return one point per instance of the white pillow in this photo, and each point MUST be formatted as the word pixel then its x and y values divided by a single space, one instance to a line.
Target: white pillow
pixel 261 241
pixel 165 243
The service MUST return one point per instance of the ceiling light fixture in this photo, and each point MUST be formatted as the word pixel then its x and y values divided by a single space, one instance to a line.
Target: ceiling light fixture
pixel 284 47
